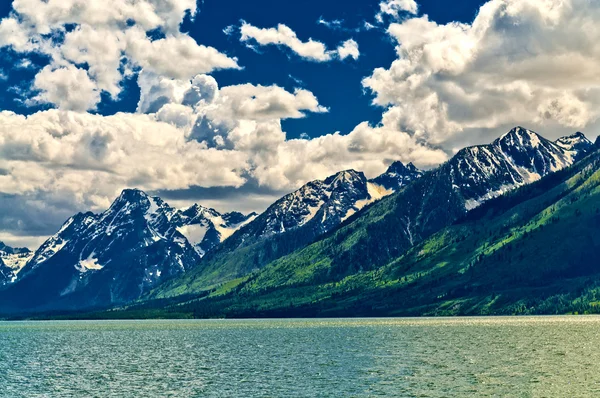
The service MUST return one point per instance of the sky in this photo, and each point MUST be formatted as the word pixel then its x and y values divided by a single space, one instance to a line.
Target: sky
pixel 231 104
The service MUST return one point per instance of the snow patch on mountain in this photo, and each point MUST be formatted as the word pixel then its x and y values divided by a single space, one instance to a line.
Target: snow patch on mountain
pixel 89 264
pixel 12 261
pixel 376 192
pixel 206 228
pixel 15 261
pixel 194 233
pixel 226 229
pixel 471 204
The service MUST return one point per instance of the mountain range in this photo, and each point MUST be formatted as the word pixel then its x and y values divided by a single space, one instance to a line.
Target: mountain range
pixel 531 251
pixel 390 227
pixel 117 256
pixel 328 235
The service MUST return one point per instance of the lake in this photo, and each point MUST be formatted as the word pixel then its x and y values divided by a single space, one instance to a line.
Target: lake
pixel 516 357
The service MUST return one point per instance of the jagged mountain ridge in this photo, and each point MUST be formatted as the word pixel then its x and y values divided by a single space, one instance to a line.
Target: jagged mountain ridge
pixel 206 228
pixel 575 142
pixel 322 205
pixel 296 220
pixel 116 256
pixel 477 173
pixel 471 177
pixel 517 158
pixel 398 176
pixel 104 259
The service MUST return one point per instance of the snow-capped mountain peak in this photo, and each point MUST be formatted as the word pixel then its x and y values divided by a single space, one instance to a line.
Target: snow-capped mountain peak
pixel 197 213
pixel 12 261
pixel 206 228
pixel 575 142
pixel 397 176
pixel 344 178
pixel 321 205
pixel 399 168
pixel 136 204
pixel 520 137
pixel 117 255
pixel 518 157
pixel 136 221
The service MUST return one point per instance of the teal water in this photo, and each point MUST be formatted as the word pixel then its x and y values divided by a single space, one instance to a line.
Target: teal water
pixel 504 357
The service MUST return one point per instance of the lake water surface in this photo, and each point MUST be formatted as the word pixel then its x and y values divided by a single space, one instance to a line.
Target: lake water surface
pixel 504 357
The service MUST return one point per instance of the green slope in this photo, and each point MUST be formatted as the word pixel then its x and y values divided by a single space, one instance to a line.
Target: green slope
pixel 369 239
pixel 232 262
pixel 536 250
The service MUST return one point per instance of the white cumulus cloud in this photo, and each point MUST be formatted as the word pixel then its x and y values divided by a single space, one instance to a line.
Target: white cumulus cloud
pixel 348 49
pixel 110 38
pixel 395 8
pixel 283 35
pixel 520 62
pixel 67 87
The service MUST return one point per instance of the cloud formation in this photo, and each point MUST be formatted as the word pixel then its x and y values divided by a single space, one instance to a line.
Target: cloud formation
pixel 67 87
pixel 284 36
pixel 109 37
pixel 349 48
pixel 247 119
pixel 519 62
pixel 395 8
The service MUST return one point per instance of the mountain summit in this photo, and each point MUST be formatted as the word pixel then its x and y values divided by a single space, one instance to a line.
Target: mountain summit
pixel 577 142
pixel 519 157
pixel 322 205
pixel 398 175
pixel 116 256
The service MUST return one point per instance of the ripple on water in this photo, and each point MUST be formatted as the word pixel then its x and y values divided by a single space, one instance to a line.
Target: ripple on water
pixel 517 357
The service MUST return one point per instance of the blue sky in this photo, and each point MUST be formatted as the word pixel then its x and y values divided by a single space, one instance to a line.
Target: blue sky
pixel 336 84
pixel 103 95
